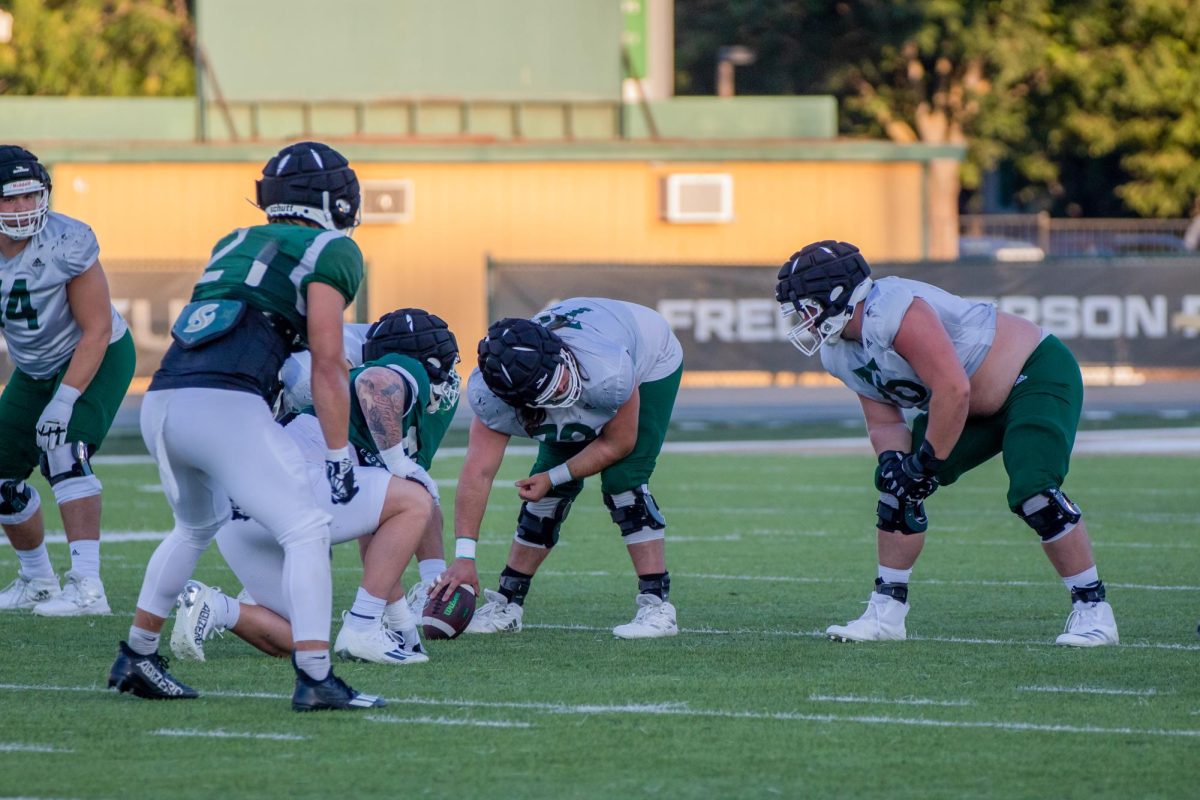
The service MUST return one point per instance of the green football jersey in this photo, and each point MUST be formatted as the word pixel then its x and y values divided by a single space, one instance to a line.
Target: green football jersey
pixel 270 267
pixel 422 431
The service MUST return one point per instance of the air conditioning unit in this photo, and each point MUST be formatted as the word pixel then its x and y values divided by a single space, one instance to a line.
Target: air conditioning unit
pixel 387 201
pixel 698 197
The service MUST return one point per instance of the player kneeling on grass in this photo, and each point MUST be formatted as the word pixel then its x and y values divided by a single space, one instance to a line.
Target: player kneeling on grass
pixel 402 400
pixel 594 381
pixel 987 381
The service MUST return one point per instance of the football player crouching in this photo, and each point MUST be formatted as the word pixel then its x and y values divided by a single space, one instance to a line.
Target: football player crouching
pixel 402 400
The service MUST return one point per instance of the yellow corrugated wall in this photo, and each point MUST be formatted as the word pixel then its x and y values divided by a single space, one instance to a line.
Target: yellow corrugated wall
pixel 573 211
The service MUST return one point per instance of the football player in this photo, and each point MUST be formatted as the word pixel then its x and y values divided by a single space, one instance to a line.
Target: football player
pixel 985 382
pixel 206 419
pixel 594 382
pixel 402 400
pixel 74 359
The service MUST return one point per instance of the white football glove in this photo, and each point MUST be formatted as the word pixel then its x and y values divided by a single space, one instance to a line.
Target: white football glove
pixel 401 465
pixel 52 424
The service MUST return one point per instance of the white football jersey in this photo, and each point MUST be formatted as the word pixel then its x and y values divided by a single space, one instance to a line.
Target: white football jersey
pixel 618 346
pixel 39 329
pixel 296 373
pixel 873 369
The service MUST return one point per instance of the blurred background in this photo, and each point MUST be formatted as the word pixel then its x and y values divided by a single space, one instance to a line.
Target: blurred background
pixel 1041 154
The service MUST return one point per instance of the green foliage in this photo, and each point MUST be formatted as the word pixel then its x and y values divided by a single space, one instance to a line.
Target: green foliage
pixel 94 47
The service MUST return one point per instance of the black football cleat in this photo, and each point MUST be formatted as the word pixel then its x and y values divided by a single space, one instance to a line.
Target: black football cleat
pixel 330 694
pixel 146 677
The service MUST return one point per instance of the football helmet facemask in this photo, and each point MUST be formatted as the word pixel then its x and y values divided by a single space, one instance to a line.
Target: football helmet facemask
pixel 20 174
pixel 426 337
pixel 526 364
pixel 817 291
pixel 311 181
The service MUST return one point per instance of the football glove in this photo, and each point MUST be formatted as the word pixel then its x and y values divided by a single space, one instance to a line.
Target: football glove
pixel 339 471
pixel 51 430
pixel 910 477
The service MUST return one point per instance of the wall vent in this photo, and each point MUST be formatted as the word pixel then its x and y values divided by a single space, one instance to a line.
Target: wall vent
pixel 387 201
pixel 698 198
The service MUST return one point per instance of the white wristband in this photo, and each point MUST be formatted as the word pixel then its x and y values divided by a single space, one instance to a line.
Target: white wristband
pixel 560 475
pixel 338 453
pixel 464 548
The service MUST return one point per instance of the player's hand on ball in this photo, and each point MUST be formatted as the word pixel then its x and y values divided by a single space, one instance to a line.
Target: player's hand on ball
pixel 461 572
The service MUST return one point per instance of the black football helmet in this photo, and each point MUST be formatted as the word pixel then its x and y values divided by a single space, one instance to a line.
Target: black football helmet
pixel 21 173
pixel 426 337
pixel 310 181
pixel 819 287
pixel 524 364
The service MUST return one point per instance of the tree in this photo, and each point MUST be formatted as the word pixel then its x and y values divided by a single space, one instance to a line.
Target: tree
pixel 93 47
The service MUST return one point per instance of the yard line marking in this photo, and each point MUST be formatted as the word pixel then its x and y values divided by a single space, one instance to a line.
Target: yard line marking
pixel 681 709
pixel 1088 690
pixel 18 747
pixel 479 723
pixel 223 734
pixel 914 701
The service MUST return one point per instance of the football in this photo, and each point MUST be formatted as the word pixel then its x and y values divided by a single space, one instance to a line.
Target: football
pixel 446 619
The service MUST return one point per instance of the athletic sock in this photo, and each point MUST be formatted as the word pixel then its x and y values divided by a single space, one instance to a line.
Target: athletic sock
pixel 655 583
pixel 514 585
pixel 890 575
pixel 398 616
pixel 142 641
pixel 430 569
pixel 1086 587
pixel 35 563
pixel 366 611
pixel 226 611
pixel 85 557
pixel 313 663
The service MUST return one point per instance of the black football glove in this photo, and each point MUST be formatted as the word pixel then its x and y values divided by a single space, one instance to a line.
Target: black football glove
pixel 339 471
pixel 908 477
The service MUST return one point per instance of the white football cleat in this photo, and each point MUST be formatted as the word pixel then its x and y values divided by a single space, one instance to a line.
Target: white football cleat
pixel 376 644
pixel 82 596
pixel 655 618
pixel 882 621
pixel 28 592
pixel 497 615
pixel 195 621
pixel 416 598
pixel 1090 625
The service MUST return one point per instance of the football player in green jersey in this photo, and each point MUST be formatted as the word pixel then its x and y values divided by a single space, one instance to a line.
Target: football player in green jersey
pixel 74 359
pixel 206 419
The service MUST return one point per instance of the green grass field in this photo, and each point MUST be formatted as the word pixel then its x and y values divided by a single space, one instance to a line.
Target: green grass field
pixel 748 701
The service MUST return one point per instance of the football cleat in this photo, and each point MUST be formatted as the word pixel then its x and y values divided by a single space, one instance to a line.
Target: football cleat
pixel 195 621
pixel 409 640
pixel 1090 625
pixel 28 592
pixel 882 621
pixel 146 677
pixel 332 693
pixel 375 644
pixel 497 615
pixel 655 618
pixel 82 596
pixel 416 598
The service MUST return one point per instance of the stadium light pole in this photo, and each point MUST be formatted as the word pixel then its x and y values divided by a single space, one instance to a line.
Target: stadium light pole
pixel 728 57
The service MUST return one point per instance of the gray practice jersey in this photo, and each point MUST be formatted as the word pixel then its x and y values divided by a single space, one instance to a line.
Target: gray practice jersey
pixel 618 345
pixel 39 329
pixel 873 369
pixel 296 373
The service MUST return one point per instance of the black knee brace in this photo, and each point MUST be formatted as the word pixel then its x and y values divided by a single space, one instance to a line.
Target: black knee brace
pixel 1051 513
pixel 538 531
pixel 642 516
pixel 899 516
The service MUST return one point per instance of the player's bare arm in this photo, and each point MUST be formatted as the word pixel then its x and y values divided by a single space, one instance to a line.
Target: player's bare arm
pixel 87 294
pixel 616 441
pixel 383 396
pixel 924 343
pixel 330 375
pixel 885 426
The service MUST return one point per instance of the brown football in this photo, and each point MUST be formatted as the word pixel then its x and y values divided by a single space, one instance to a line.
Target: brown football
pixel 446 619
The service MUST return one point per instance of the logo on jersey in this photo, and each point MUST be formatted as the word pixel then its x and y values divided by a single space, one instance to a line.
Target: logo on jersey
pixel 37 262
pixel 201 318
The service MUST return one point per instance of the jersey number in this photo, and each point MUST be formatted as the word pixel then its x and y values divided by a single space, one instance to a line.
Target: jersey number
pixel 898 390
pixel 571 432
pixel 18 306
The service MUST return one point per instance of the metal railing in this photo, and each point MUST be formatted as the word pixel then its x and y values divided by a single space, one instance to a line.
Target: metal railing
pixel 981 234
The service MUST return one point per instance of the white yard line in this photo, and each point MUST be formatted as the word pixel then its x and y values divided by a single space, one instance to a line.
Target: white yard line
pixel 222 734
pixel 685 710
pixel 1088 690
pixel 19 747
pixel 902 701
pixel 477 723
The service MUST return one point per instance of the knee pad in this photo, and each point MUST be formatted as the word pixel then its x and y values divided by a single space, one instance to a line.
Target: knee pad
pixel 539 522
pixel 640 521
pixel 900 517
pixel 18 501
pixel 1051 513
pixel 68 470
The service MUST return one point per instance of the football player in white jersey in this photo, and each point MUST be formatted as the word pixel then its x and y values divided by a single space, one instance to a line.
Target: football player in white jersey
pixel 74 359
pixel 987 382
pixel 594 382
